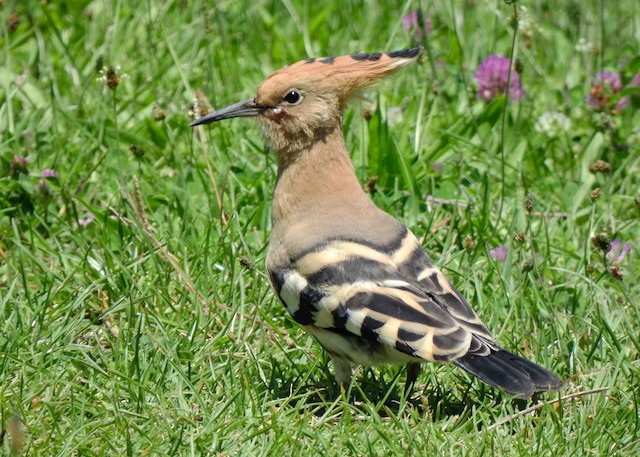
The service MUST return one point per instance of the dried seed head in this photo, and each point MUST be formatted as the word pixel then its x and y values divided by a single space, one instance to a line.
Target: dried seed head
pixel 110 77
pixel 246 262
pixel 469 243
pixel 201 105
pixel 528 203
pixel 113 80
pixel 599 166
pixel 528 265
pixel 596 194
pixel 601 242
pixel 14 22
pixel 518 66
pixel 159 114
pixel 136 150
pixel 598 97
pixel 616 272
pixel 370 185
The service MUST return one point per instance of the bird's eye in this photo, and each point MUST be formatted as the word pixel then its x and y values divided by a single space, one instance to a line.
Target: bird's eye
pixel 293 97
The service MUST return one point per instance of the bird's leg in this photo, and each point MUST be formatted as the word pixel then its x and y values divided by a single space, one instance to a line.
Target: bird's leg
pixel 342 370
pixel 413 370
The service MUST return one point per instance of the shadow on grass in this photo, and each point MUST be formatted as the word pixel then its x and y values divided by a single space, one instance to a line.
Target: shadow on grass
pixel 369 392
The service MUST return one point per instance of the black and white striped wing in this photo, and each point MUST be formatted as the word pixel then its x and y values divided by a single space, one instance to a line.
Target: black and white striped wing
pixel 391 295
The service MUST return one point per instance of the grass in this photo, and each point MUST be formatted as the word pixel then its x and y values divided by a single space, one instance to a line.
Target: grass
pixel 153 331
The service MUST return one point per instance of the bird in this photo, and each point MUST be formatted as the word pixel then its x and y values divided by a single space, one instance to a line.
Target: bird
pixel 350 274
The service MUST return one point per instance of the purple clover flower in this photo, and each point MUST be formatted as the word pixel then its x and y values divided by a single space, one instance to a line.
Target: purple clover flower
pixel 624 101
pixel 411 22
pixel 437 166
pixel 617 255
pixel 19 160
pixel 49 173
pixel 604 85
pixel 19 165
pixel 88 219
pixel 499 253
pixel 492 76
pixel 610 79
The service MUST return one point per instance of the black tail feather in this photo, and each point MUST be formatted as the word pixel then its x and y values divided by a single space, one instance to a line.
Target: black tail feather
pixel 516 376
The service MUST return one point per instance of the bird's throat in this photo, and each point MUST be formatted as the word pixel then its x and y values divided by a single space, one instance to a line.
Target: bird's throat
pixel 316 180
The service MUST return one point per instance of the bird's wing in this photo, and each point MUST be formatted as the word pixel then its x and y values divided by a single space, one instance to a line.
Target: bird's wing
pixel 393 295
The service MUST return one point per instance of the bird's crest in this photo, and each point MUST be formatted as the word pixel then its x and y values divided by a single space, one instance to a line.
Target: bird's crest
pixel 344 74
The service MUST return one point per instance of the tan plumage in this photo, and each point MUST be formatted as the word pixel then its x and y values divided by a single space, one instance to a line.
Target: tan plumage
pixel 354 277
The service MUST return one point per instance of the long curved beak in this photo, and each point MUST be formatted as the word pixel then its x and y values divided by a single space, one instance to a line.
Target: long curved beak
pixel 245 108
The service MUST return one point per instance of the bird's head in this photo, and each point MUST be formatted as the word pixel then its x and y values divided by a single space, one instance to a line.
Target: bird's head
pixel 302 103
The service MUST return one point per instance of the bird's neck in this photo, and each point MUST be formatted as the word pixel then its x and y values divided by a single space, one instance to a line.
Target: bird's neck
pixel 317 180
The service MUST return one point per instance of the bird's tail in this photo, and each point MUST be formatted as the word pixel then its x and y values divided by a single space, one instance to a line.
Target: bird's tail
pixel 516 376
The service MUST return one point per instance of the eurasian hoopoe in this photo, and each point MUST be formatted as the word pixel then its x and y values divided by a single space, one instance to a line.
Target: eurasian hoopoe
pixel 350 274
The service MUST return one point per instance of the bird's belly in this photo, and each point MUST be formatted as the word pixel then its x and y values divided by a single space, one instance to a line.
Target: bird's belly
pixel 357 350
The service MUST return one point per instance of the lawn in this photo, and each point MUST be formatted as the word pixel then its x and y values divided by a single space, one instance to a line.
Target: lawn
pixel 136 315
